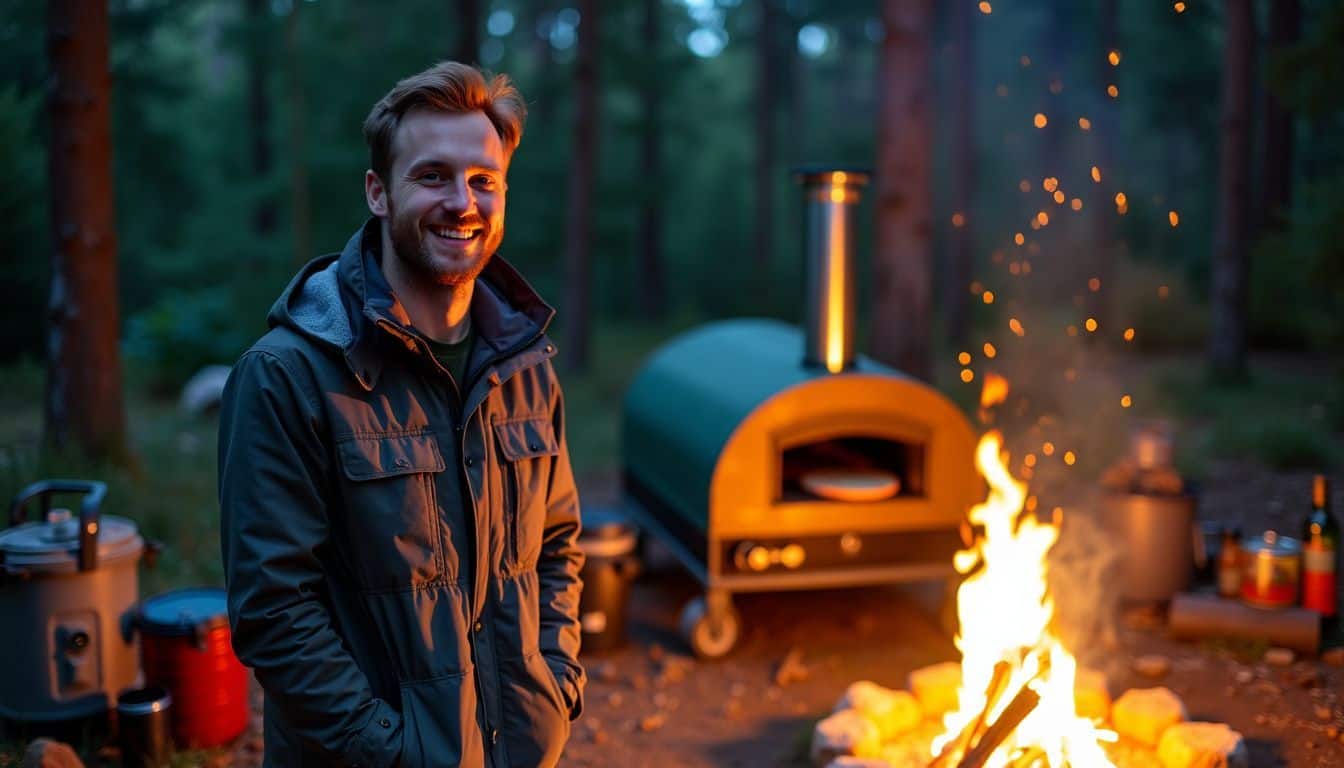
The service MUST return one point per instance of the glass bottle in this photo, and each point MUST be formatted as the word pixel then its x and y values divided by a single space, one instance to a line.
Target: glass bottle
pixel 1320 554
pixel 1229 563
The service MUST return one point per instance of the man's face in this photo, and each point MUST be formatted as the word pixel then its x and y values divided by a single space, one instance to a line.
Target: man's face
pixel 443 200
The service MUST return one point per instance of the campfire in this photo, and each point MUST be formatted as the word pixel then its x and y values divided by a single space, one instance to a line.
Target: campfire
pixel 1017 699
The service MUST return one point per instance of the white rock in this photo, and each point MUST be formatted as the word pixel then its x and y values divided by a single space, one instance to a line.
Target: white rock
pixel 204 389
pixel 1202 745
pixel 1279 657
pixel 858 762
pixel 936 687
pixel 844 734
pixel 893 712
pixel 1143 714
pixel 1091 694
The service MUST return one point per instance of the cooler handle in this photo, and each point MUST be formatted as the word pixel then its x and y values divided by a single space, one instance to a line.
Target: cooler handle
pixel 94 491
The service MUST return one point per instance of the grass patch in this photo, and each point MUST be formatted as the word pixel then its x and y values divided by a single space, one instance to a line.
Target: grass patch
pixel 1280 415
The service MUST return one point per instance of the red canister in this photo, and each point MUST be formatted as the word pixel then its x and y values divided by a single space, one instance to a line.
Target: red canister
pixel 185 646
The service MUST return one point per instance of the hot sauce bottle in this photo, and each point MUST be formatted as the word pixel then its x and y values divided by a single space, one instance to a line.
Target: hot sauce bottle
pixel 1320 554
pixel 1229 563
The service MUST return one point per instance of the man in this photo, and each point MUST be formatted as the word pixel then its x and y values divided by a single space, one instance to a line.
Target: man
pixel 398 510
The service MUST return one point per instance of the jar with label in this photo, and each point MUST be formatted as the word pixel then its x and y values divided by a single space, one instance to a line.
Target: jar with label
pixel 1272 571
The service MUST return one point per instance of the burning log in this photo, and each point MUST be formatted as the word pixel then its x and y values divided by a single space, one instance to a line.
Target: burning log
pixel 1028 758
pixel 974 729
pixel 1017 710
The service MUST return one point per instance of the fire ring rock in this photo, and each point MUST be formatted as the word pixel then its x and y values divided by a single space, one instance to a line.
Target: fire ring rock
pixel 845 733
pixel 1202 745
pixel 1143 714
pixel 936 687
pixel 893 712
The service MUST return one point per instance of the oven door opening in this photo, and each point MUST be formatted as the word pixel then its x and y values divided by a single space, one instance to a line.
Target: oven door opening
pixel 854 468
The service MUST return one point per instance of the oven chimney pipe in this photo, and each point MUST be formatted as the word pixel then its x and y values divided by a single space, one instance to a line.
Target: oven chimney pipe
pixel 830 197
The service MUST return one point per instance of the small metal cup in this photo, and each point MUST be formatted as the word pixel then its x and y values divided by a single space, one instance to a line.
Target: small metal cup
pixel 143 717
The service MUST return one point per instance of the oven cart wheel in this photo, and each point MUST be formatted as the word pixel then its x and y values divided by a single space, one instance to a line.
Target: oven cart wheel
pixel 710 625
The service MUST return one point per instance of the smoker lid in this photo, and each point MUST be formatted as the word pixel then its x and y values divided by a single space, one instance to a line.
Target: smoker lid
pixel 183 612
pixel 52 545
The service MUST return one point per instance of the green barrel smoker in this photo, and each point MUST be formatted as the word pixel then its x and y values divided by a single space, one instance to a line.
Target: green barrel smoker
pixel 725 426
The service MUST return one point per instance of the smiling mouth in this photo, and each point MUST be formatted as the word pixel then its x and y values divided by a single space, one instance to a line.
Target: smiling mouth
pixel 456 234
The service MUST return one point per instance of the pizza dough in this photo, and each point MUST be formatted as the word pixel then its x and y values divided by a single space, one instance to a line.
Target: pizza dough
pixel 851 484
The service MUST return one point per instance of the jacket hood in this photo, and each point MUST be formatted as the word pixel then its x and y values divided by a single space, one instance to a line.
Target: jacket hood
pixel 342 301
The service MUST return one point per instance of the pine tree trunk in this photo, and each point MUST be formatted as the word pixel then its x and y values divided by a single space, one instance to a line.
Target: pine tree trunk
pixel 652 288
pixel 582 179
pixel 902 261
pixel 300 197
pixel 83 406
pixel 964 168
pixel 767 103
pixel 468 31
pixel 264 215
pixel 1276 156
pixel 1231 256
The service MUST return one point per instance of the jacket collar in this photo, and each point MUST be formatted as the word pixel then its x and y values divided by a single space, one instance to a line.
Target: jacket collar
pixel 506 312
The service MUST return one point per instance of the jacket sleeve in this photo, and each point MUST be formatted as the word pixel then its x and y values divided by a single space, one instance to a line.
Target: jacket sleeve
pixel 558 570
pixel 273 520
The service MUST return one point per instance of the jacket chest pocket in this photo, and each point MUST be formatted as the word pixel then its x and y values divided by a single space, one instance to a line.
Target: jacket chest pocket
pixel 390 509
pixel 527 448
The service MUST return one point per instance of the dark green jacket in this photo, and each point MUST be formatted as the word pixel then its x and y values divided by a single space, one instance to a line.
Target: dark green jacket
pixel 389 622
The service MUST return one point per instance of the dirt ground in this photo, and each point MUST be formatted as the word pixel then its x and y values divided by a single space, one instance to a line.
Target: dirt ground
pixel 649 704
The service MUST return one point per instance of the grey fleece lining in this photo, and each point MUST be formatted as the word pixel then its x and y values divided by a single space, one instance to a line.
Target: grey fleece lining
pixel 318 309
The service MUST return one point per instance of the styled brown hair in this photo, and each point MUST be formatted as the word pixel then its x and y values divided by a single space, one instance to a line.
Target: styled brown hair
pixel 448 86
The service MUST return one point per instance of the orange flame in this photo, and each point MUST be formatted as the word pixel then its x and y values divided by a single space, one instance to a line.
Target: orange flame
pixel 994 391
pixel 1005 610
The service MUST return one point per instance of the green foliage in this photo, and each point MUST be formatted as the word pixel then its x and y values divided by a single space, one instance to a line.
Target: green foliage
pixel 181 333
pixel 1279 444
pixel 1297 280
pixel 1280 416
pixel 23 208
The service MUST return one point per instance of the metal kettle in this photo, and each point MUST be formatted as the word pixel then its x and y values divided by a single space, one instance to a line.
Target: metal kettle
pixel 67 588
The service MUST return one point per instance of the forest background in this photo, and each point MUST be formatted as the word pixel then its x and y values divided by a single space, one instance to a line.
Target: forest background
pixel 653 191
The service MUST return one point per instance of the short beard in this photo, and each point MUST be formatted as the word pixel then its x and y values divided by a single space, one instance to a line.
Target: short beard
pixel 408 248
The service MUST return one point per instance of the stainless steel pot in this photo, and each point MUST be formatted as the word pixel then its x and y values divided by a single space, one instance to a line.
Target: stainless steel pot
pixel 1155 533
pixel 67 588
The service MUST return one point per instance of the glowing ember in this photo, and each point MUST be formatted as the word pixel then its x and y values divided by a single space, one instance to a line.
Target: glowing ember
pixel 1084 123
pixel 1096 174
pixel 1173 217
pixel 990 351
pixel 1005 611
